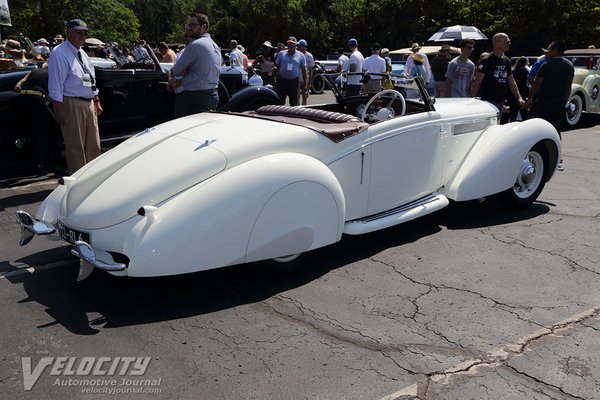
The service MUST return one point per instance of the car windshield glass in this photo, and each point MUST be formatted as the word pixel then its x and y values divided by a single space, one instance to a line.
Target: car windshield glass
pixel 410 88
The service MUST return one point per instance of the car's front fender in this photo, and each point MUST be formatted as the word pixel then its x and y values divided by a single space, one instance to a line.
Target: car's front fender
pixel 493 163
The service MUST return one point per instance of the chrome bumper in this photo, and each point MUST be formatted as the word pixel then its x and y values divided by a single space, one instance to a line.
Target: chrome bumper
pixel 86 255
pixel 30 227
pixel 87 258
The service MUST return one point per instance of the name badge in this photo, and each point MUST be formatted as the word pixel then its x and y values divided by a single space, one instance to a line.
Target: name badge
pixel 87 80
pixel 290 67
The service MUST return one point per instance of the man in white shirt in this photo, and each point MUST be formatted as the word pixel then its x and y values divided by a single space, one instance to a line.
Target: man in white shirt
pixel 236 59
pixel 355 70
pixel 342 67
pixel 72 89
pixel 376 68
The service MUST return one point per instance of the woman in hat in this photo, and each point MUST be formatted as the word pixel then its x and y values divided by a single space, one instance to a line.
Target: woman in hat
pixel 264 62
pixel 417 69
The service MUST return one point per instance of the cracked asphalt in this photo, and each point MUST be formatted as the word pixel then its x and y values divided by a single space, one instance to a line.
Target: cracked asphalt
pixel 473 302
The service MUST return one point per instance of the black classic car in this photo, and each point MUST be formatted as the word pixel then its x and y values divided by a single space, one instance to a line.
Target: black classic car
pixel 134 97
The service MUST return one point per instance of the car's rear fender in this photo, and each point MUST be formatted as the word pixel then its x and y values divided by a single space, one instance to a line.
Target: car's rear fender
pixel 243 99
pixel 269 207
pixel 493 163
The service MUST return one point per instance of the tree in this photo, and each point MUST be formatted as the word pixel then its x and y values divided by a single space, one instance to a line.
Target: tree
pixel 109 20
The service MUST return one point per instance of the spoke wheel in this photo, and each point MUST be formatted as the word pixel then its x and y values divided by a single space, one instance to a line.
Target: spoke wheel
pixel 318 84
pixel 574 110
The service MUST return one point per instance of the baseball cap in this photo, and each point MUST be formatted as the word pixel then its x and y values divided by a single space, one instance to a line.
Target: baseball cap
pixel 385 50
pixel 376 46
pixel 291 39
pixel 77 24
pixel 302 42
pixel 352 42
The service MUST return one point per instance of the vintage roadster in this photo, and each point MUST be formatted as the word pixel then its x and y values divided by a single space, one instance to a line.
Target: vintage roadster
pixel 223 188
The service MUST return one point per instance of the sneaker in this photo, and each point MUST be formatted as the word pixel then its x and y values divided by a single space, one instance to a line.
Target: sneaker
pixel 560 166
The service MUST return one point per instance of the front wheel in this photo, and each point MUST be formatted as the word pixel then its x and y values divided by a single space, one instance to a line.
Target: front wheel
pixel 285 265
pixel 530 180
pixel 318 84
pixel 574 110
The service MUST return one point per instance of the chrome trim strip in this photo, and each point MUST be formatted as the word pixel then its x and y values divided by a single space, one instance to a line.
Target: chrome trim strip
pixel 430 198
pixel 462 128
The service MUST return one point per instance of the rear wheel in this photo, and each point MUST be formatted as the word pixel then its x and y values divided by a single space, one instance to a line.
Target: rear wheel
pixel 530 180
pixel 318 84
pixel 574 109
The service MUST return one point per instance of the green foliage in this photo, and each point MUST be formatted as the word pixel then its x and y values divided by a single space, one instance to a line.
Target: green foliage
pixel 325 24
pixel 111 21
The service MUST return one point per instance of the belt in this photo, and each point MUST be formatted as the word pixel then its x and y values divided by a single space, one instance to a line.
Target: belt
pixel 34 92
pixel 88 99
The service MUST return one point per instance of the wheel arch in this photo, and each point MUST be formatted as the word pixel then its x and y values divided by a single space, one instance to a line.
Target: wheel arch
pixel 215 223
pixel 304 214
pixel 240 99
pixel 493 163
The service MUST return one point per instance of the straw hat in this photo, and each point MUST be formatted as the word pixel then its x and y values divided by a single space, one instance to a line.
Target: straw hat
pixel 418 58
pixel 13 46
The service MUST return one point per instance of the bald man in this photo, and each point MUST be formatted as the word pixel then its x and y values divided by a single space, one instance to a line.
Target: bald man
pixel 494 74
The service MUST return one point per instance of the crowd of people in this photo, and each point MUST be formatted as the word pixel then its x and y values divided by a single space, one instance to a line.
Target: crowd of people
pixel 541 90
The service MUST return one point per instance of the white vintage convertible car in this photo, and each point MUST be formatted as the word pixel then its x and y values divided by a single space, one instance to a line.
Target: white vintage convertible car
pixel 218 189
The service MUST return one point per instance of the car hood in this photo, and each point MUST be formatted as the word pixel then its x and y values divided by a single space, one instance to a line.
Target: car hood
pixel 163 161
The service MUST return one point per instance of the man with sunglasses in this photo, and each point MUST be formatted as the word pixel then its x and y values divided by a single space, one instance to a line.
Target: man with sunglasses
pixel 199 66
pixel 494 75
pixel 72 89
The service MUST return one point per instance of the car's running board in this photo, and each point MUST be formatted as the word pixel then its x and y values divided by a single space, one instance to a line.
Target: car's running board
pixel 407 212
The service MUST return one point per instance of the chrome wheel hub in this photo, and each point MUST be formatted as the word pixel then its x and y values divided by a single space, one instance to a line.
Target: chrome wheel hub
pixel 530 175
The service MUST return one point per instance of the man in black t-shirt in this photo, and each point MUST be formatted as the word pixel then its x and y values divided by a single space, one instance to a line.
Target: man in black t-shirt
pixel 552 87
pixel 494 75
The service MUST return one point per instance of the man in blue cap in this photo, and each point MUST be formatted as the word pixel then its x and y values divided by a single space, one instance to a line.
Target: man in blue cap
pixel 72 88
pixel 357 62
pixel 305 86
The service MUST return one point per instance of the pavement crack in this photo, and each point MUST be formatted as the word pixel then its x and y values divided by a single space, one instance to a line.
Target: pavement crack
pixel 572 263
pixel 503 355
pixel 561 390
pixel 331 328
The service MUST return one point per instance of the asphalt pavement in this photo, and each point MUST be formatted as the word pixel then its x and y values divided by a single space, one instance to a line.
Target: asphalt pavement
pixel 473 302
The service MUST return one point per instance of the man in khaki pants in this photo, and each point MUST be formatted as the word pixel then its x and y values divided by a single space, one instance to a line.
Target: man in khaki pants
pixel 72 88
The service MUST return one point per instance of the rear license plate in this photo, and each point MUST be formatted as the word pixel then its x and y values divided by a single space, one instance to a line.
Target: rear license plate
pixel 72 235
